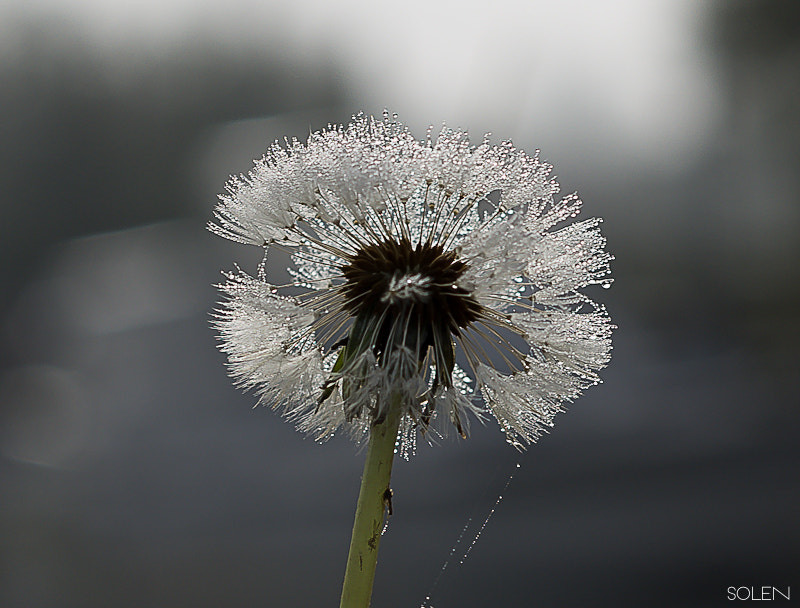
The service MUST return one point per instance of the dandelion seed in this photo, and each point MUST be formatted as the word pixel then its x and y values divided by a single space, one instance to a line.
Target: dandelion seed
pixel 438 275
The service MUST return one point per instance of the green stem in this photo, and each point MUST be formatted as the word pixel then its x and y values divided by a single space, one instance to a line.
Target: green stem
pixel 372 499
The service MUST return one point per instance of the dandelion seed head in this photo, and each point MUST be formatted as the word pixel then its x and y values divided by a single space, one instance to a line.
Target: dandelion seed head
pixel 436 274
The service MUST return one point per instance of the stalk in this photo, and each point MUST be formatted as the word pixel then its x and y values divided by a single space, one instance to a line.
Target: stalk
pixel 372 503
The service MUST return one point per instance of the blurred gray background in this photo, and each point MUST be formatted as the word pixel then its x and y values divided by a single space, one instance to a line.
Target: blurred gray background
pixel 133 474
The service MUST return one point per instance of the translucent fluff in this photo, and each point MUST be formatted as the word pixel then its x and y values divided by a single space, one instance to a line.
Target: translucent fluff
pixel 435 276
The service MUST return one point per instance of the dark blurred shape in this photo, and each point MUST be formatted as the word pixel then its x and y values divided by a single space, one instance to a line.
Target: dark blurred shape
pixel 758 49
pixel 710 258
pixel 766 29
pixel 91 142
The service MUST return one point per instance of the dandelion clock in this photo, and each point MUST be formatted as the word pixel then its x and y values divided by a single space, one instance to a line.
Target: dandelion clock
pixel 434 282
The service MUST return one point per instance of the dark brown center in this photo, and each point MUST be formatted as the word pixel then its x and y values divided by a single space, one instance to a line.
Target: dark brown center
pixel 394 276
